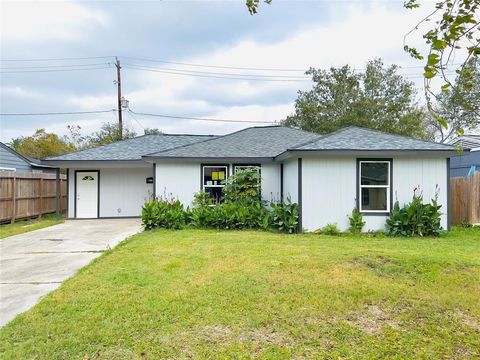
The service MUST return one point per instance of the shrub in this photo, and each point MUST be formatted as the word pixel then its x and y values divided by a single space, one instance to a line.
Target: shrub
pixel 243 185
pixel 356 221
pixel 416 218
pixel 331 229
pixel 159 212
pixel 234 215
pixel 284 216
pixel 203 198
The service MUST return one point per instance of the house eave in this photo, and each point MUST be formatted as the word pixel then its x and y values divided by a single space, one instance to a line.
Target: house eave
pixel 356 152
pixel 244 160
pixel 90 163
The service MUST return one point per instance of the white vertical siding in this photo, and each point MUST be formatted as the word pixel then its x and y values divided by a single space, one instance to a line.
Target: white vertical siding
pixel 329 191
pixel 427 173
pixel 329 188
pixel 123 191
pixel 271 182
pixel 290 179
pixel 181 180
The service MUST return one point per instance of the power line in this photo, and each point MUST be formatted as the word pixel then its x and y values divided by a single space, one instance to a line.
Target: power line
pixel 211 66
pixel 210 76
pixel 141 114
pixel 202 119
pixel 217 73
pixel 51 66
pixel 58 113
pixel 56 70
pixel 61 59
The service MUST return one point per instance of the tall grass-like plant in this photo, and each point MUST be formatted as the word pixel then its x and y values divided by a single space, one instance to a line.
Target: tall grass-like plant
pixel 163 213
pixel 284 217
pixel 416 218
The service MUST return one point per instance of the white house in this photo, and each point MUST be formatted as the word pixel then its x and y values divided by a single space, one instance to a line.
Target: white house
pixel 326 175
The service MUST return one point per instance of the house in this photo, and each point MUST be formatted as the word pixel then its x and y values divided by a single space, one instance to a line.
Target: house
pixel 467 162
pixel 326 175
pixel 10 160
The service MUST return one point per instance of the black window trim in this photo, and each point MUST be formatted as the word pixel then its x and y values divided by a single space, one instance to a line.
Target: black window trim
pixel 374 213
pixel 202 187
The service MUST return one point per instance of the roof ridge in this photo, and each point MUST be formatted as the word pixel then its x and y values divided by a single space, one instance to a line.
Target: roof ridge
pixel 124 141
pixel 321 137
pixel 201 142
pixel 398 135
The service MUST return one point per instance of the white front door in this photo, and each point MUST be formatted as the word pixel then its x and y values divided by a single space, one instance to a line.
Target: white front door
pixel 87 194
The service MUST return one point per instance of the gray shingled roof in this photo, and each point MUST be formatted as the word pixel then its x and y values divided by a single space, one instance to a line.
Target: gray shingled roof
pixel 356 138
pixel 132 149
pixel 467 141
pixel 253 142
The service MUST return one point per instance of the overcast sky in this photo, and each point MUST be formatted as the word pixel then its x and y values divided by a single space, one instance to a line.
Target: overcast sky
pixel 285 35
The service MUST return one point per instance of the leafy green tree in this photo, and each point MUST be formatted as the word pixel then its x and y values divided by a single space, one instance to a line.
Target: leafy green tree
pixel 252 5
pixel 109 133
pixel 152 131
pixel 41 145
pixel 453 32
pixel 459 106
pixel 377 98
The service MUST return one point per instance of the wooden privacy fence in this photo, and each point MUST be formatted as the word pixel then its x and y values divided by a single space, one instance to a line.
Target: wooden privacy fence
pixel 25 195
pixel 465 199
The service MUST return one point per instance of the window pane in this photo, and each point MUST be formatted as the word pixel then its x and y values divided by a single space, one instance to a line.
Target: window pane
pixel 214 175
pixel 374 173
pixel 215 192
pixel 374 199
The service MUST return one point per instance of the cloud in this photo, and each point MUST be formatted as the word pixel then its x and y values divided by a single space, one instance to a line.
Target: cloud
pixel 340 33
pixel 47 21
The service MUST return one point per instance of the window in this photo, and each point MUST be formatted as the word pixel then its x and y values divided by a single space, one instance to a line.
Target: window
pixel 213 177
pixel 374 186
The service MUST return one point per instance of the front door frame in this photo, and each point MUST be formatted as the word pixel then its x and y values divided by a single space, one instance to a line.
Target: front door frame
pixel 98 191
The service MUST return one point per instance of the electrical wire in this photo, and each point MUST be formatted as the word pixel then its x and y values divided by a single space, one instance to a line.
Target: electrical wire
pixel 202 119
pixel 56 70
pixel 51 66
pixel 217 73
pixel 58 113
pixel 61 59
pixel 210 66
pixel 211 76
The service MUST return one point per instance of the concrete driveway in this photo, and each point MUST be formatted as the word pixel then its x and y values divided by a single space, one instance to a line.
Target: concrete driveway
pixel 35 263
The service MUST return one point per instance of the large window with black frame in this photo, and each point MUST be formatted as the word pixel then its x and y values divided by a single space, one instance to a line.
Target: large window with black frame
pixel 213 180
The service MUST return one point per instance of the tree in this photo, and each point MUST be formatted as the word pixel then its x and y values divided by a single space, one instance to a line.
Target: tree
pixel 108 133
pixel 41 145
pixel 377 98
pixel 459 106
pixel 252 5
pixel 152 131
pixel 456 28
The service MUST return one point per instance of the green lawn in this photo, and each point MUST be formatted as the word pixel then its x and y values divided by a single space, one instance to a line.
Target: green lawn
pixel 209 294
pixel 24 226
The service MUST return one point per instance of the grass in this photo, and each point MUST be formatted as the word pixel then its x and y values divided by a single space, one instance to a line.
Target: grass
pixel 24 226
pixel 209 294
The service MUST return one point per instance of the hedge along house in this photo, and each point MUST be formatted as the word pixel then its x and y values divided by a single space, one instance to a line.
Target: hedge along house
pixel 326 175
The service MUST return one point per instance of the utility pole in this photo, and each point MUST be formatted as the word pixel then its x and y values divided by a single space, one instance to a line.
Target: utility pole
pixel 119 94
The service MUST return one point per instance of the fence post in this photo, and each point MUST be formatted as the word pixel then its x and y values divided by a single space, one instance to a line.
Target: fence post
pixel 14 198
pixel 57 188
pixel 41 199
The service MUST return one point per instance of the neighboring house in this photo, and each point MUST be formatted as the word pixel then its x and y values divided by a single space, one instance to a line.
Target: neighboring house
pixel 462 165
pixel 10 160
pixel 326 175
